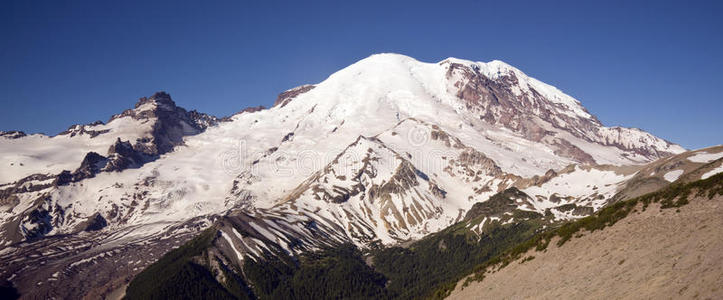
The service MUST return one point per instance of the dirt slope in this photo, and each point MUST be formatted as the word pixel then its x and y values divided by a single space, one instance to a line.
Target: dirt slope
pixel 655 254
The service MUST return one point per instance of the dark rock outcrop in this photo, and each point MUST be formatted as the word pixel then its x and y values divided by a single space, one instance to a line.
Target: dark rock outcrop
pixel 95 223
pixel 284 98
pixel 252 109
pixel 91 165
pixel 87 129
pixel 13 134
pixel 122 155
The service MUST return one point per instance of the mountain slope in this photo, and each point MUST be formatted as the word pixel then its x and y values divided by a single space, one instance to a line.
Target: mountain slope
pixel 651 253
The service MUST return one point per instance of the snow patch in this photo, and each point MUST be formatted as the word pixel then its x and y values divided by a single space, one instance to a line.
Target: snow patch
pixel 230 242
pixel 673 175
pixel 712 172
pixel 705 157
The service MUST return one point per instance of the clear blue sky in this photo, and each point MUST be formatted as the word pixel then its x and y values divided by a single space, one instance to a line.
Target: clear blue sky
pixel 654 65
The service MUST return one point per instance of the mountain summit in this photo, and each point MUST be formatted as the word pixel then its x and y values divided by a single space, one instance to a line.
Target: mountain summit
pixel 475 97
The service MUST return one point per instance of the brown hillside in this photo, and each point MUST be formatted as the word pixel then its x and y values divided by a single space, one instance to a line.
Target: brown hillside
pixel 651 254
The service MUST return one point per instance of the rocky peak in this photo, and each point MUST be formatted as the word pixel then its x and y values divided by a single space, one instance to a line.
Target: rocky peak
pixel 162 98
pixel 159 105
pixel 149 107
pixel 170 123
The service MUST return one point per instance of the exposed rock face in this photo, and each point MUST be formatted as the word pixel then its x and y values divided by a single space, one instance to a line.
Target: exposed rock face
pixel 78 129
pixel 500 101
pixel 13 134
pixel 203 120
pixel 95 223
pixel 374 186
pixel 567 149
pixel 503 99
pixel 634 139
pixel 171 123
pixel 40 218
pixel 121 156
pixel 286 97
pixel 91 165
pixel 471 157
pixel 252 109
pixel 63 178
pixel 31 183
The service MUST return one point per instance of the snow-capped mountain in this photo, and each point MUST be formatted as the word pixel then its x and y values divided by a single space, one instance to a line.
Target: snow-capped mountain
pixel 152 128
pixel 386 150
pixel 39 165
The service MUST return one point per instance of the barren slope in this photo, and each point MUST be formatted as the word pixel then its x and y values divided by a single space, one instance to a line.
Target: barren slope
pixel 654 254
